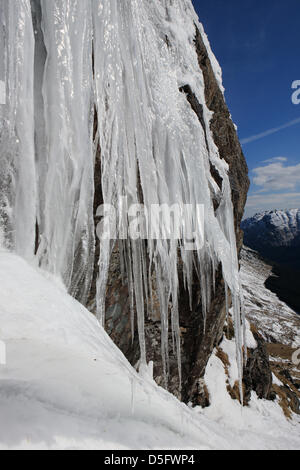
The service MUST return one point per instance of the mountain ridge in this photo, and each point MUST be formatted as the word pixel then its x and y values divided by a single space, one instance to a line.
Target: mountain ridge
pixel 275 235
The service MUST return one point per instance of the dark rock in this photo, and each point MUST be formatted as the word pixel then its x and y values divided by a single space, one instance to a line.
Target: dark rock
pixel 257 372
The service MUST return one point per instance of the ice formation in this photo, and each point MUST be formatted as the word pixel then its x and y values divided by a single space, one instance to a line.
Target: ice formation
pixel 62 61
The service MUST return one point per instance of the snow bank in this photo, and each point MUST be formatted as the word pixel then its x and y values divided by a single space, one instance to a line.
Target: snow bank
pixel 67 386
pixel 260 426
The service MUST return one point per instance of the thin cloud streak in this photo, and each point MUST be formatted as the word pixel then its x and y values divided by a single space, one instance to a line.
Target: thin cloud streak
pixel 270 132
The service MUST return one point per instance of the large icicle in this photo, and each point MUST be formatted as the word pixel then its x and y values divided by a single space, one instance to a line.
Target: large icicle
pixel 150 136
pixel 17 170
pixel 66 167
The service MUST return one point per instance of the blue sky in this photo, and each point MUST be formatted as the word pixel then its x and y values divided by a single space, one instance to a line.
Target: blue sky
pixel 257 44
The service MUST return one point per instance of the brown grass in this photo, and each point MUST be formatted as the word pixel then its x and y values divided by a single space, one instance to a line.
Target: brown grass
pixel 284 402
pixel 225 360
pixel 282 351
pixel 234 391
pixel 229 329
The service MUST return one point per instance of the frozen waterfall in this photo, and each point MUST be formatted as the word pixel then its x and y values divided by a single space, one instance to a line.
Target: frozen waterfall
pixel 63 62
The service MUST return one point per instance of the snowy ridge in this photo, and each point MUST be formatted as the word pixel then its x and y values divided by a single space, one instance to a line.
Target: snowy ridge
pixel 277 228
pixel 274 319
pixel 153 147
pixel 67 386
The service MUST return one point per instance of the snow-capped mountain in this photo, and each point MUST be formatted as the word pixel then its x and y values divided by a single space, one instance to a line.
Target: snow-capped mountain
pixel 275 228
pixel 275 235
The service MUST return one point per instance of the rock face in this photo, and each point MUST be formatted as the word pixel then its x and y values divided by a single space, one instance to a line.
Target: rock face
pixel 225 136
pixel 196 346
pixel 257 372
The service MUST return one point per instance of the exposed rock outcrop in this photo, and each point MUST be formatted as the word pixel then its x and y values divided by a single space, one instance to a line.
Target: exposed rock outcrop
pixel 257 372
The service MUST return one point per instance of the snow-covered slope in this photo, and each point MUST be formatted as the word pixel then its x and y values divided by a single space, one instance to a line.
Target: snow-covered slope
pixel 274 319
pixel 66 385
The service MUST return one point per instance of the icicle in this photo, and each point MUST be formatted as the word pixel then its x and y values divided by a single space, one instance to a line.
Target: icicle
pixel 17 170
pixel 66 166
pixel 150 136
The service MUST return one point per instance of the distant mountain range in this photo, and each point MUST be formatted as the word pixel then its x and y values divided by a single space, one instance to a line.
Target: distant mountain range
pixel 276 236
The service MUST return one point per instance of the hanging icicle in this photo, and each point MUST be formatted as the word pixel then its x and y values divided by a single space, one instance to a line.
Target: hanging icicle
pixel 17 169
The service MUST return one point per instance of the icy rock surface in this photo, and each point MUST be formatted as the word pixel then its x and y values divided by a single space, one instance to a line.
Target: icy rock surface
pixel 64 59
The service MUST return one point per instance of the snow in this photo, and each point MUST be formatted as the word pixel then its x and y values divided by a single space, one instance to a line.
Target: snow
pixel 276 381
pixel 67 386
pixel 250 340
pixel 260 426
pixel 274 319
